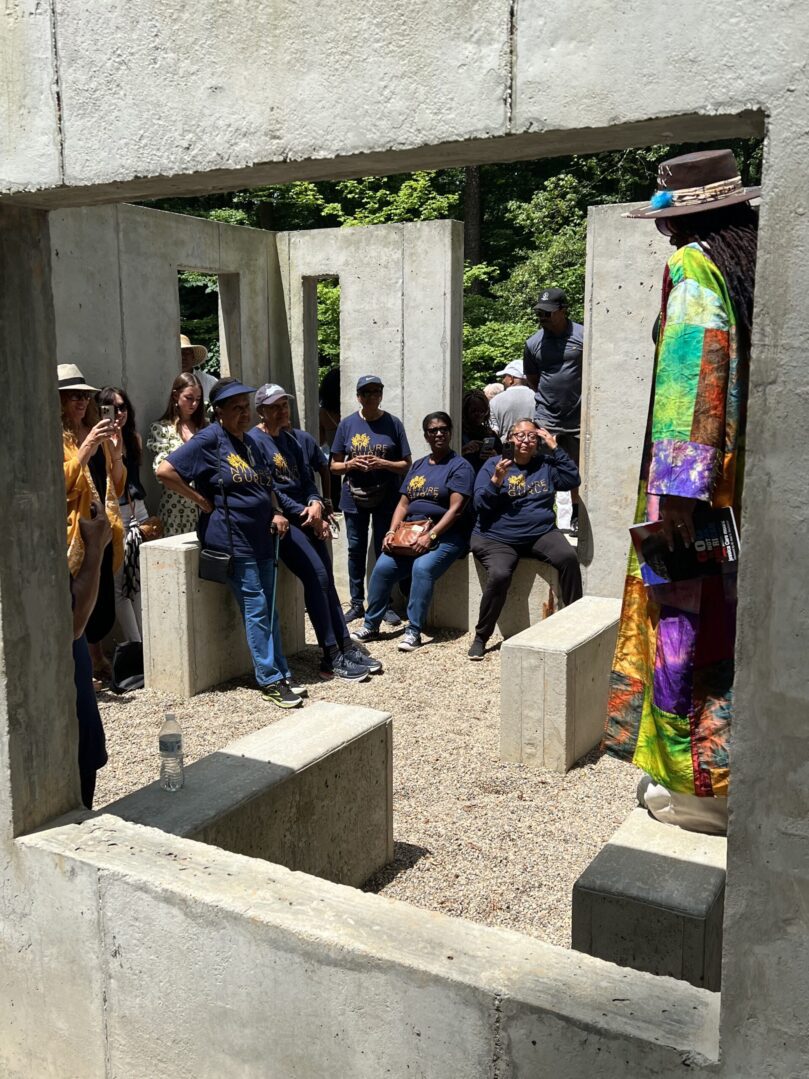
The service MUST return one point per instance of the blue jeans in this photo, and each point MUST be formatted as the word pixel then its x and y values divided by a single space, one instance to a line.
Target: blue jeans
pixel 252 584
pixel 357 523
pixel 425 571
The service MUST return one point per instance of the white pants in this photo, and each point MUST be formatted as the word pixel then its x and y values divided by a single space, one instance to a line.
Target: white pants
pixel 127 611
pixel 709 815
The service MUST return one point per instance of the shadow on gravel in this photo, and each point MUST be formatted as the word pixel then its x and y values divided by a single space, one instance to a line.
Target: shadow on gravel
pixel 405 856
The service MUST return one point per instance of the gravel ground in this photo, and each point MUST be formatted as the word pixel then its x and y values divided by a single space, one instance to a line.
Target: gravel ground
pixel 496 843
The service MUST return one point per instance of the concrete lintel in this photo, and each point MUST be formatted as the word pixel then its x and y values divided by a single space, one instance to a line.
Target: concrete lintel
pixel 494 984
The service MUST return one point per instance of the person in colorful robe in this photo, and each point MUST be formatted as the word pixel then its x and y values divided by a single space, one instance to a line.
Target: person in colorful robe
pixel 671 688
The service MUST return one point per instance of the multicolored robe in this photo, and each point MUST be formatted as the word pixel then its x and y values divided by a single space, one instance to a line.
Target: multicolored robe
pixel 672 680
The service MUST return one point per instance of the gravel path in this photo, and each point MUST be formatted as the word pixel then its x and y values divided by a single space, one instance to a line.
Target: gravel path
pixel 496 843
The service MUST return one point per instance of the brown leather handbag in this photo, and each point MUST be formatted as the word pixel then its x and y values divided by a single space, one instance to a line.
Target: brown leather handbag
pixel 402 540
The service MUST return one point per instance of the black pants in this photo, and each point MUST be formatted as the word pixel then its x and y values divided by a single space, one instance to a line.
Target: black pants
pixel 500 561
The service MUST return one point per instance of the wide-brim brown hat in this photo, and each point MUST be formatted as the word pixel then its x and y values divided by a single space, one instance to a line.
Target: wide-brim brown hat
pixel 71 378
pixel 696 182
pixel 200 351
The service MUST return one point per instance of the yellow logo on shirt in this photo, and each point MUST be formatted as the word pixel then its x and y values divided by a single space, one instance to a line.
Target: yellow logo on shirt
pixel 280 462
pixel 516 485
pixel 239 466
pixel 416 485
pixel 360 444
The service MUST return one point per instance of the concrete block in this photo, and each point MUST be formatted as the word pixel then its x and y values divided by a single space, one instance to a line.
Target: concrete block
pixel 456 597
pixel 193 633
pixel 313 792
pixel 653 900
pixel 554 679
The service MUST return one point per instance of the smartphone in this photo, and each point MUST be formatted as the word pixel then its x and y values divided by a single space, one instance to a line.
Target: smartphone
pixel 107 412
pixel 508 451
pixel 487 445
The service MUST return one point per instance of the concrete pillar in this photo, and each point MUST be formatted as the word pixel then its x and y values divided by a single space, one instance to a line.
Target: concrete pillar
pixel 625 261
pixel 38 730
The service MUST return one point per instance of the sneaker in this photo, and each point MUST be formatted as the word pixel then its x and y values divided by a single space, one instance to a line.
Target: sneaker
pixel 391 617
pixel 362 659
pixel 281 695
pixel 477 649
pixel 363 633
pixel 299 691
pixel 343 667
pixel 411 640
pixel 355 611
pixel 574 526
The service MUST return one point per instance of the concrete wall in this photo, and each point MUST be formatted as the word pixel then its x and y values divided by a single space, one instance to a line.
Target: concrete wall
pixel 625 261
pixel 401 315
pixel 273 91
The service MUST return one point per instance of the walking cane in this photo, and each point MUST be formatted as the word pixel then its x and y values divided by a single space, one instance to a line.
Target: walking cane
pixel 274 582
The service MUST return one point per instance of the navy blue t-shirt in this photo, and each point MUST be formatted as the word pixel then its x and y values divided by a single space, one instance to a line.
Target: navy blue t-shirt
pixel 428 487
pixel 212 454
pixel 521 509
pixel 294 483
pixel 383 437
pixel 312 453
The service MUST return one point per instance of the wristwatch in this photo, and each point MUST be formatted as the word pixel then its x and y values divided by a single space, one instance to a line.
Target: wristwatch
pixel 433 537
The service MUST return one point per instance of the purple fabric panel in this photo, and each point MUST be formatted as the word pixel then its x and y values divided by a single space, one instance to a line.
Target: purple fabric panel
pixel 687 469
pixel 674 660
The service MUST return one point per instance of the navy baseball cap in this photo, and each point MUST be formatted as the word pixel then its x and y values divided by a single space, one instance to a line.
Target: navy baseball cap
pixel 551 299
pixel 227 387
pixel 369 380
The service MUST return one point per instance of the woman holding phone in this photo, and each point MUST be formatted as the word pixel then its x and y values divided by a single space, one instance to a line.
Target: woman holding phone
pixel 514 499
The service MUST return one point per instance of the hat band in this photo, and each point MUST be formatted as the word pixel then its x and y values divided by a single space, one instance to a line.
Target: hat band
pixel 66 383
pixel 688 196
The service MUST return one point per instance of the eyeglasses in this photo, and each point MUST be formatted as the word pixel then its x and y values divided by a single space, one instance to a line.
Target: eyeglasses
pixel 524 436
pixel 436 431
pixel 79 395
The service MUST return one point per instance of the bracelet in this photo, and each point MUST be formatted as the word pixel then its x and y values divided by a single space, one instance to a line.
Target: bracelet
pixel 392 532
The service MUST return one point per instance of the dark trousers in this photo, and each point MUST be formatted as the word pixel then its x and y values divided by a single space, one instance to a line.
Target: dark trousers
pixel 92 743
pixel 309 560
pixel 357 523
pixel 500 560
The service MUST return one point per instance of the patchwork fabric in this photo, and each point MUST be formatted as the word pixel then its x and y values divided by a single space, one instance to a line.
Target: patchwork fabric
pixel 670 702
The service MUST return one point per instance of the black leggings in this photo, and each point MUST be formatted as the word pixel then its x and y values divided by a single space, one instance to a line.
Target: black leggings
pixel 500 560
pixel 309 560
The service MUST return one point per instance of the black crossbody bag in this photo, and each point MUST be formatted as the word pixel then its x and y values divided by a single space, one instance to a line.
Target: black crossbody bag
pixel 217 566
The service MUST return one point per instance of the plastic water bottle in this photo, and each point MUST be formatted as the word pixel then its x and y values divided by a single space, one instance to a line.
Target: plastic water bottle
pixel 171 755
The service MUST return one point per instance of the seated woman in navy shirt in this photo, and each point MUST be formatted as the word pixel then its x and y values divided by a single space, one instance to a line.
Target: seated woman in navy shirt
pixel 514 503
pixel 223 462
pixel 303 549
pixel 436 487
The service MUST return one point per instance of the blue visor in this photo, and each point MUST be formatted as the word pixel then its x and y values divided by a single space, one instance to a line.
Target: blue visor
pixel 220 393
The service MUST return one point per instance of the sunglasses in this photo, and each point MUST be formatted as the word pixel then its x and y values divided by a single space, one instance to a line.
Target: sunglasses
pixel 79 395
pixel 436 431
pixel 119 409
pixel 372 391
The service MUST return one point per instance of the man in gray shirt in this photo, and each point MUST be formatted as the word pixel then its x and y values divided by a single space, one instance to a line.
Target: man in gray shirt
pixel 552 362
pixel 515 403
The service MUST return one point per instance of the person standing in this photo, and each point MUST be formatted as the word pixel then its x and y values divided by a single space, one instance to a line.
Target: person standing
pixel 184 416
pixel 671 688
pixel 552 363
pixel 191 359
pixel 371 452
pixel 514 403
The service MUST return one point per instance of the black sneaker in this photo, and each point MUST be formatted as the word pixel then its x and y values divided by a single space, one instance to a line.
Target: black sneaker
pixel 391 617
pixel 281 695
pixel 362 659
pixel 363 633
pixel 574 525
pixel 355 611
pixel 293 687
pixel 477 649
pixel 342 667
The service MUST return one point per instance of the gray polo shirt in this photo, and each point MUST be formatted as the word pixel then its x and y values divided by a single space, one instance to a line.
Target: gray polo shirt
pixel 511 405
pixel 556 362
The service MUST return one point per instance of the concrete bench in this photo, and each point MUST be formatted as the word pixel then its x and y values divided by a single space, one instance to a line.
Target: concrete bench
pixel 312 792
pixel 653 900
pixel 193 633
pixel 554 682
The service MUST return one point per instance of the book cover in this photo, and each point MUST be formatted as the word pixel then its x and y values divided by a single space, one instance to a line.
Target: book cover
pixel 714 551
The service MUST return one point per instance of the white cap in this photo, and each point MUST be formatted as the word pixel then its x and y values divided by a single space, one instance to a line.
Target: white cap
pixel 515 369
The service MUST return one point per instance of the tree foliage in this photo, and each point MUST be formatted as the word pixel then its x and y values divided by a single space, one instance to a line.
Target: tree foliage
pixel 532 231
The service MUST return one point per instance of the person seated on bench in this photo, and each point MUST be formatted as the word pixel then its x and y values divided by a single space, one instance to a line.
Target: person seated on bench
pixel 514 503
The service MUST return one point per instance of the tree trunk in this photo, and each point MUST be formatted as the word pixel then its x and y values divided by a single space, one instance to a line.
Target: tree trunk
pixel 472 221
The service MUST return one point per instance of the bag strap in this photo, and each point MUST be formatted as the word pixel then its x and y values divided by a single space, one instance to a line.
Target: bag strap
pixel 223 492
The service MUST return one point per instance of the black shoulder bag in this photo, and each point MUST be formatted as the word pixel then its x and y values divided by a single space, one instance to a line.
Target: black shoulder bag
pixel 217 566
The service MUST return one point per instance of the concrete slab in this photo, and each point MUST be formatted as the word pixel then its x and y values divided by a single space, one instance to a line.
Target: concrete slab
pixel 554 680
pixel 653 899
pixel 193 633
pixel 313 792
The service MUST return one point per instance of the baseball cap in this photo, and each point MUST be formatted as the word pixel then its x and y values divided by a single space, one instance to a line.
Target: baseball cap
pixel 227 387
pixel 551 299
pixel 269 393
pixel 515 369
pixel 368 380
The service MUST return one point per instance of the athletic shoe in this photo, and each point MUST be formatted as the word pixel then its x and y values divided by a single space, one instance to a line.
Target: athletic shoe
pixel 391 617
pixel 343 667
pixel 574 526
pixel 293 687
pixel 411 640
pixel 363 633
pixel 281 695
pixel 477 649
pixel 362 659
pixel 355 611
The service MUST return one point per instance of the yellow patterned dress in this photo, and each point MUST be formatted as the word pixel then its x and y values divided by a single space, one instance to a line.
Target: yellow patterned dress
pixel 671 687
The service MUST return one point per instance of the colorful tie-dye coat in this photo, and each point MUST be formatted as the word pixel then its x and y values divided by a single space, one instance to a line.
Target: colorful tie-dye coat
pixel 671 685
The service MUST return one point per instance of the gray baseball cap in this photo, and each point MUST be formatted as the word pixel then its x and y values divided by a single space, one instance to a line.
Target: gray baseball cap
pixel 271 392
